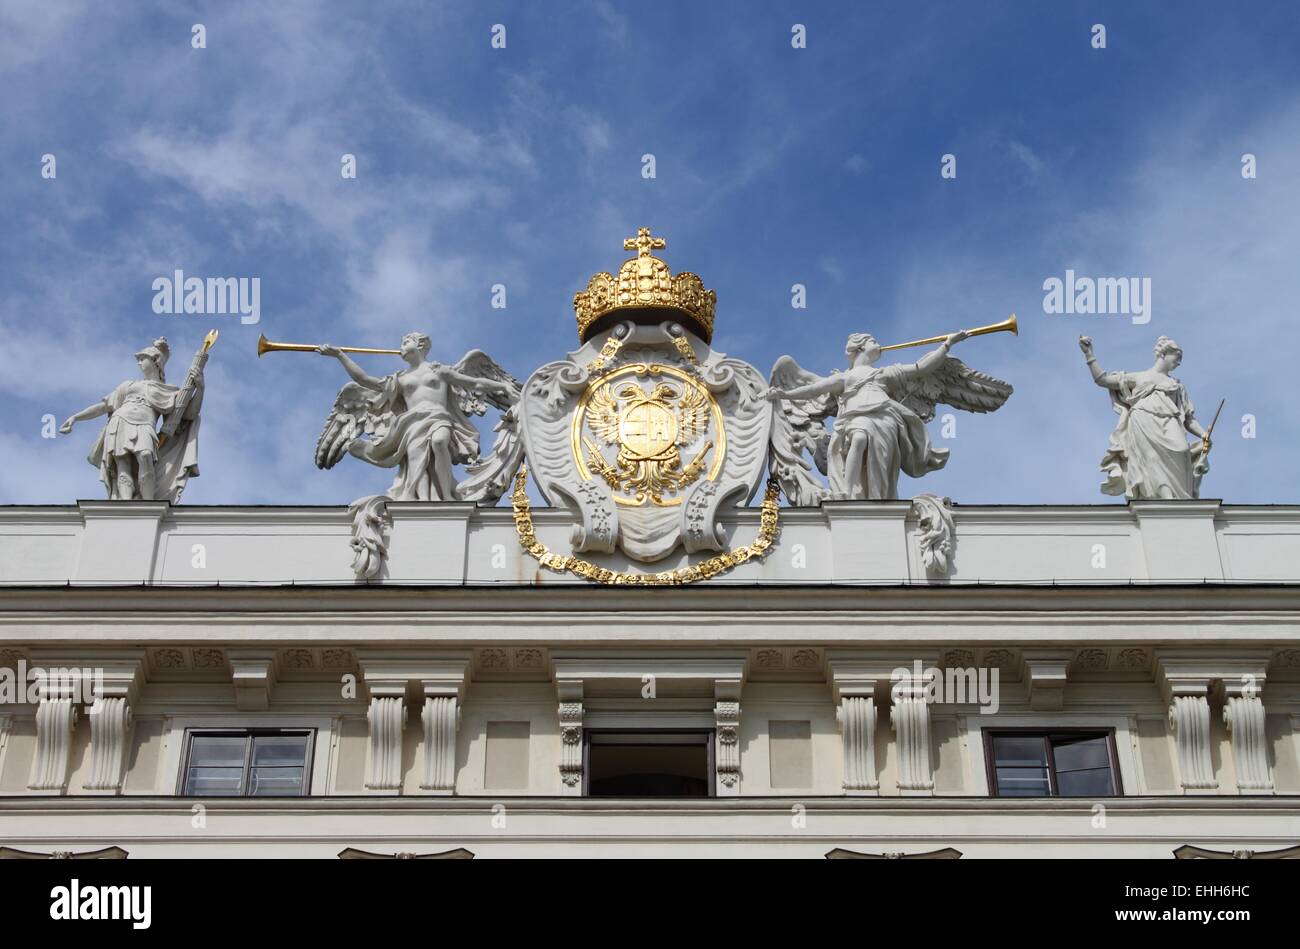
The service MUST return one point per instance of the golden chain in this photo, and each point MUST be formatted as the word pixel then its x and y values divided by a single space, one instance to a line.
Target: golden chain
pixel 768 522
pixel 607 352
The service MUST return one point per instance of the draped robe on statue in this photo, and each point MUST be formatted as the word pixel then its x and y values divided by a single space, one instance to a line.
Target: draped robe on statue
pixel 134 408
pixel 1149 455
pixel 408 442
pixel 896 436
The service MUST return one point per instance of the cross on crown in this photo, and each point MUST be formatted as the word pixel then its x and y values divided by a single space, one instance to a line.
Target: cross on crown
pixel 643 243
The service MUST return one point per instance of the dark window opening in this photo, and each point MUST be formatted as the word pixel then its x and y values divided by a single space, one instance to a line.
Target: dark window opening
pixel 1031 763
pixel 248 763
pixel 649 764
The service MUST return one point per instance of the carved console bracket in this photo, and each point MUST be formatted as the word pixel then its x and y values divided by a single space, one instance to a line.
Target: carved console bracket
pixel 253 673
pixel 859 685
pixel 570 695
pixel 1044 672
pixel 438 681
pixel 117 690
pixel 1189 681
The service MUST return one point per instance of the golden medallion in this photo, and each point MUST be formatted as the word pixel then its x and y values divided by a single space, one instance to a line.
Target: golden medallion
pixel 655 416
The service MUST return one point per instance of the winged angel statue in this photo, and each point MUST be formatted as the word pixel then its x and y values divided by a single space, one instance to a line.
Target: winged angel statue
pixel 417 421
pixel 880 419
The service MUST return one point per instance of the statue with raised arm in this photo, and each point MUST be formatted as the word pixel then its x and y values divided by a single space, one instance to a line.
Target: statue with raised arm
pixel 1149 455
pixel 880 415
pixel 138 460
pixel 417 421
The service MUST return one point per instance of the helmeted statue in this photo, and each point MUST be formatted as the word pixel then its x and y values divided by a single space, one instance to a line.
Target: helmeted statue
pixel 880 415
pixel 137 461
pixel 1149 455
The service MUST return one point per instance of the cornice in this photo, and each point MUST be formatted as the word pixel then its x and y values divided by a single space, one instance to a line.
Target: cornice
pixel 1191 600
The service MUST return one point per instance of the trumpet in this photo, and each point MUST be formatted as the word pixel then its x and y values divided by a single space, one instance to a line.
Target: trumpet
pixel 1006 326
pixel 265 346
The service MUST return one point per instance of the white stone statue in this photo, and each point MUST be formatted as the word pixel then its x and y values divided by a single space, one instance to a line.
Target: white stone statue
pixel 880 419
pixel 136 460
pixel 416 420
pixel 1149 455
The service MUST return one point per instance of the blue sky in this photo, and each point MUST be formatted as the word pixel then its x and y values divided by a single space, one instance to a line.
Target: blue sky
pixel 775 166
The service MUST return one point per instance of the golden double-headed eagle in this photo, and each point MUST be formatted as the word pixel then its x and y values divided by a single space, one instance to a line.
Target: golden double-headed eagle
pixel 650 430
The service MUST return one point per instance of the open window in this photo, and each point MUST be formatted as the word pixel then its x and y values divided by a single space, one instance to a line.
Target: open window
pixel 1052 763
pixel 649 763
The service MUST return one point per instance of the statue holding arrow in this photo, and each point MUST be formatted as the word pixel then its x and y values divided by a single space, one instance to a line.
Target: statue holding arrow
pixel 137 460
pixel 1149 455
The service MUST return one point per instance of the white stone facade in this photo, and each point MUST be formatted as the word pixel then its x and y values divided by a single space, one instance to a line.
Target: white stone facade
pixel 447 702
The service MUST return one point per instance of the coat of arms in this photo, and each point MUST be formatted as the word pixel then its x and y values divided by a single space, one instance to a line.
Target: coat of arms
pixel 645 434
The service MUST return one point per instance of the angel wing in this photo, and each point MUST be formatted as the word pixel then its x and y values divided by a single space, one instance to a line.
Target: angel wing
pixel 480 365
pixel 356 412
pixel 953 383
pixel 799 426
pixel 806 418
pixel 602 415
pixel 692 415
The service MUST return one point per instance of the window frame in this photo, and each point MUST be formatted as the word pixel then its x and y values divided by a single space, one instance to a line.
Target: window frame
pixel 248 734
pixel 709 740
pixel 1048 733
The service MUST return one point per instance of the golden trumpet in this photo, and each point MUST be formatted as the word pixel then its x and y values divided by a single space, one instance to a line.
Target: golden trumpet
pixel 1006 326
pixel 264 346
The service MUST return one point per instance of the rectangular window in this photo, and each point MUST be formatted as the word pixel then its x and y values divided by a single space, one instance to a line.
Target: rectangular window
pixel 247 763
pixel 649 764
pixel 1062 763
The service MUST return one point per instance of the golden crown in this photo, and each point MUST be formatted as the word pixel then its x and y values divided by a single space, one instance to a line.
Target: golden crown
pixel 644 281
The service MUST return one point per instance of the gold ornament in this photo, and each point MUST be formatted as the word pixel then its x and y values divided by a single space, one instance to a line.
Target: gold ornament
pixel 645 281
pixel 650 430
pixel 768 527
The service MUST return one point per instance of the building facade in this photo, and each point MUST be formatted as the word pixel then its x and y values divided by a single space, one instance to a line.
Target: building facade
pixel 1090 681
